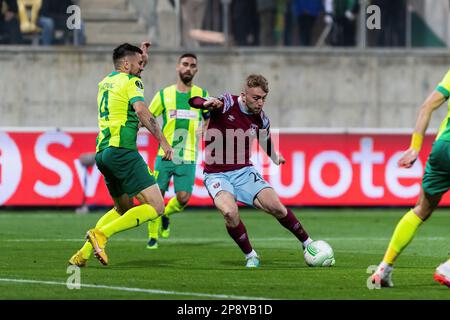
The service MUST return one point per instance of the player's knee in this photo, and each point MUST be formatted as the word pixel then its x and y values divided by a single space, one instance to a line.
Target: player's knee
pixel 230 214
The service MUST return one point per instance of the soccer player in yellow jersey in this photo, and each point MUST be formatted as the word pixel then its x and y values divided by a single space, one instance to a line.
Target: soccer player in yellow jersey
pixel 121 108
pixel 436 182
pixel 181 124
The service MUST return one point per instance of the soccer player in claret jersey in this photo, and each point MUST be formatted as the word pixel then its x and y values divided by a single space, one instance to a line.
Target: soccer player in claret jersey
pixel 435 183
pixel 229 174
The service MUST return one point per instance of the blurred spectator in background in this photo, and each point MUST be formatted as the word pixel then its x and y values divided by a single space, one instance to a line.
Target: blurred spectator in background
pixel 306 13
pixel 267 10
pixel 288 22
pixel 9 23
pixel 193 13
pixel 393 24
pixel 53 17
pixel 245 23
pixel 47 24
pixel 341 14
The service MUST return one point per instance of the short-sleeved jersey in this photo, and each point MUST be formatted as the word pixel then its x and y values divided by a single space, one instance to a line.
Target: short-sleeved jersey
pixel 237 128
pixel 180 121
pixel 117 119
pixel 444 129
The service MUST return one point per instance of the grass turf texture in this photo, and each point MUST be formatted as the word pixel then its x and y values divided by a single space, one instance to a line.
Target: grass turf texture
pixel 200 257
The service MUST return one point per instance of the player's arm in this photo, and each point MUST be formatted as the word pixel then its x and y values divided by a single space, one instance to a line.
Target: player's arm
pixel 209 103
pixel 144 47
pixel 432 102
pixel 148 121
pixel 266 143
pixel 156 107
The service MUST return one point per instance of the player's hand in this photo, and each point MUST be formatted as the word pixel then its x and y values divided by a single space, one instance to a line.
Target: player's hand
pixel 168 151
pixel 328 19
pixel 408 158
pixel 213 103
pixel 280 159
pixel 144 47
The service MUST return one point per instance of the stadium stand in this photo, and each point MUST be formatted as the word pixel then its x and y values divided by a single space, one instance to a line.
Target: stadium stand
pixel 111 22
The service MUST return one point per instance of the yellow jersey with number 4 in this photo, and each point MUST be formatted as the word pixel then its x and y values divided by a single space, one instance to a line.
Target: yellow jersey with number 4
pixel 117 119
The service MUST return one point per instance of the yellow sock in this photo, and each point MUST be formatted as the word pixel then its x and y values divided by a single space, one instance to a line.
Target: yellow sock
pixel 108 217
pixel 403 234
pixel 132 218
pixel 153 228
pixel 111 215
pixel 173 206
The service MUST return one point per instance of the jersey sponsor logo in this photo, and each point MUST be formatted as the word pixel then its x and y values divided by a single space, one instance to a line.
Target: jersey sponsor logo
pixel 183 114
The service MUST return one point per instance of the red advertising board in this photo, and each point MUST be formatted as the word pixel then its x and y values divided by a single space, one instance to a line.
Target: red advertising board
pixel 322 169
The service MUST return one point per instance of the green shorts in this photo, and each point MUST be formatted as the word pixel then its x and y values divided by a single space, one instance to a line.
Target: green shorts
pixel 124 171
pixel 183 175
pixel 436 179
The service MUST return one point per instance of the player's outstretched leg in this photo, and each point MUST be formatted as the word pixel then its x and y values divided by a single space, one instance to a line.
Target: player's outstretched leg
pixel 226 203
pixel 291 223
pixel 402 236
pixel 239 234
pixel 269 201
pixel 134 217
pixel 81 257
pixel 442 273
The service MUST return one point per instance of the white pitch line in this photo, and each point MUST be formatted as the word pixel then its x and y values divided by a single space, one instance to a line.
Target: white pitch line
pixel 202 240
pixel 150 291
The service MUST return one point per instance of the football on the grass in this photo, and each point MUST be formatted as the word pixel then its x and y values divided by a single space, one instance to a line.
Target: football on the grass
pixel 319 254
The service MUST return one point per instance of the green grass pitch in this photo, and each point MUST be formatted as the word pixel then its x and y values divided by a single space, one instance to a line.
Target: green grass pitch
pixel 200 260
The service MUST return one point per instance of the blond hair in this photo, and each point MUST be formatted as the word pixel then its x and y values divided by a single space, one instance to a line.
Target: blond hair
pixel 257 80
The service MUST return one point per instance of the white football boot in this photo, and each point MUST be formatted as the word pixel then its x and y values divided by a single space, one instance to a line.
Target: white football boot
pixel 383 276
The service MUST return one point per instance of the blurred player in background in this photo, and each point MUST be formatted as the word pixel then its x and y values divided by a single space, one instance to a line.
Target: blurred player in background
pixel 436 182
pixel 229 174
pixel 121 108
pixel 180 127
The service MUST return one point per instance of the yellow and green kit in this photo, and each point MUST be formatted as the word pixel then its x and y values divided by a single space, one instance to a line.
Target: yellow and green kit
pixel 180 127
pixel 436 179
pixel 117 157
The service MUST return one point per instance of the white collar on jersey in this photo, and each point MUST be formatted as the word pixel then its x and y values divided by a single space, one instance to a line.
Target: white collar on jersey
pixel 242 106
